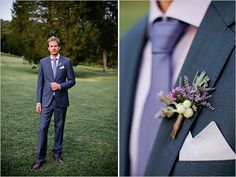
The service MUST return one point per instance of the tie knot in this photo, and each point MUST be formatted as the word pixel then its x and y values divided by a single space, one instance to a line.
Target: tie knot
pixel 165 34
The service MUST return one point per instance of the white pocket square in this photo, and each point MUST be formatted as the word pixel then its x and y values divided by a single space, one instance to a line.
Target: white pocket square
pixel 208 145
pixel 62 67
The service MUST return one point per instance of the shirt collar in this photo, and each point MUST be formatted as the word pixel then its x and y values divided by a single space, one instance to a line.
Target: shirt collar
pixel 189 11
pixel 57 57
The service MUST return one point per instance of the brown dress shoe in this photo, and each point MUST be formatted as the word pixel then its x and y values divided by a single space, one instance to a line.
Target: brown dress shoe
pixel 37 165
pixel 59 160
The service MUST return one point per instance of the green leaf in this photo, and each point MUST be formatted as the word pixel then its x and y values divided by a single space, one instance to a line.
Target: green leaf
pixel 180 81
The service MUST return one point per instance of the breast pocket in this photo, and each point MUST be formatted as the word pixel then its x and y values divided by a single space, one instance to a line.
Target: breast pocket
pixel 204 168
pixel 62 73
pixel 206 154
pixel 208 145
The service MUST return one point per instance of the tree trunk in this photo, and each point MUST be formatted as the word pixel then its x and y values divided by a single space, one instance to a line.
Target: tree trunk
pixel 104 60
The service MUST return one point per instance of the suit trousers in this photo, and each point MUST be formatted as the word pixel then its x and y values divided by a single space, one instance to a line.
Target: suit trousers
pixel 59 122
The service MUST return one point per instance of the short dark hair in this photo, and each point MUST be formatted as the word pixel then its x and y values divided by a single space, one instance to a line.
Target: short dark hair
pixel 53 38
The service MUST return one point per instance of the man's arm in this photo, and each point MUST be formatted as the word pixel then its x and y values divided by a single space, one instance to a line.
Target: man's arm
pixel 39 88
pixel 70 78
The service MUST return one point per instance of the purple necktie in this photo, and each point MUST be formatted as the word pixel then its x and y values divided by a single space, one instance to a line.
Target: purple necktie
pixel 164 36
pixel 54 67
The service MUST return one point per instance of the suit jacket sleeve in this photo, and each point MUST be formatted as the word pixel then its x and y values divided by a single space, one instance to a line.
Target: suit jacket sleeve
pixel 70 77
pixel 40 84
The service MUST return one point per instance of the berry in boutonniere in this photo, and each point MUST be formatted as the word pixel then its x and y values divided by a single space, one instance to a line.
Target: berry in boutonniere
pixel 186 99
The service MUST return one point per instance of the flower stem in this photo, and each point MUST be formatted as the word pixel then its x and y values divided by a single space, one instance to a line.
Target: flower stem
pixel 177 125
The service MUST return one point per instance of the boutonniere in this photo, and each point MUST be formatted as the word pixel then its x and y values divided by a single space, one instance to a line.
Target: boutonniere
pixel 60 65
pixel 186 99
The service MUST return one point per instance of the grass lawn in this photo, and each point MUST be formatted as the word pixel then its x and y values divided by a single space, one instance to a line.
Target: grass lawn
pixel 90 136
pixel 131 11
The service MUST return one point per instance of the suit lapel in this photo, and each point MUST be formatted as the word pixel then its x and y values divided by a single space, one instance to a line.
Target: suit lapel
pixel 210 49
pixel 131 52
pixel 49 67
pixel 58 67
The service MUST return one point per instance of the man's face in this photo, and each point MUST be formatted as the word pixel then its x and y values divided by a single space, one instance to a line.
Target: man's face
pixel 53 48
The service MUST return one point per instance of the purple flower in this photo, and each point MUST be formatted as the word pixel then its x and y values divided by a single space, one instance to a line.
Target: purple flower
pixel 177 92
pixel 185 99
pixel 198 93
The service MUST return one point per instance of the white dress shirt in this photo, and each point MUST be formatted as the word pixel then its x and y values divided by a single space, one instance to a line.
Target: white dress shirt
pixel 57 57
pixel 189 11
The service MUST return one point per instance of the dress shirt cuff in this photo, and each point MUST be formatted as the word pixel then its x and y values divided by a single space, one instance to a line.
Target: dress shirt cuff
pixel 38 103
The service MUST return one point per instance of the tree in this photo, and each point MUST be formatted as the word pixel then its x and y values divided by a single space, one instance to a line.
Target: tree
pixel 104 17
pixel 87 30
pixel 108 31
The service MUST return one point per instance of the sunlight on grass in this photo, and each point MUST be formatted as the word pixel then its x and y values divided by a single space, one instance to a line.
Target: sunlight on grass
pixel 130 13
pixel 87 79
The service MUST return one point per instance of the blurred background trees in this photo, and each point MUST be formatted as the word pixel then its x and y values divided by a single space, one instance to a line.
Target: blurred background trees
pixel 87 29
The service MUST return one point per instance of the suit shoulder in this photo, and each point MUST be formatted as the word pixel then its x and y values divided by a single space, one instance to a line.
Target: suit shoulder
pixel 43 59
pixel 65 58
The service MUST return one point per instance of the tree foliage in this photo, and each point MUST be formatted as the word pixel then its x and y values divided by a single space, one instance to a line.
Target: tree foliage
pixel 86 29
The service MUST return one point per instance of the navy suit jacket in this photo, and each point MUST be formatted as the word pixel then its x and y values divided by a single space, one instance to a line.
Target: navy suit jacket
pixel 64 76
pixel 212 50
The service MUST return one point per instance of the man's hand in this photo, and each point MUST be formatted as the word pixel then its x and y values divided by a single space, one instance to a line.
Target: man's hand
pixel 38 107
pixel 55 86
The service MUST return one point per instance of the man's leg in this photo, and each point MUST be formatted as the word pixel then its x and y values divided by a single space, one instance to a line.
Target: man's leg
pixel 59 123
pixel 45 118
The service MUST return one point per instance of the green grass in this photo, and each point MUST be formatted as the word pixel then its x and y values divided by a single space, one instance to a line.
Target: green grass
pixel 131 12
pixel 90 136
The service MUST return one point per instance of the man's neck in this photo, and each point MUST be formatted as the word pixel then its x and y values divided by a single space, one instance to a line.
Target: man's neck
pixel 54 56
pixel 164 4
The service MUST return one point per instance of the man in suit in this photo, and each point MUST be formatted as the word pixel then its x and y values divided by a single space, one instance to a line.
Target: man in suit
pixel 55 77
pixel 206 45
